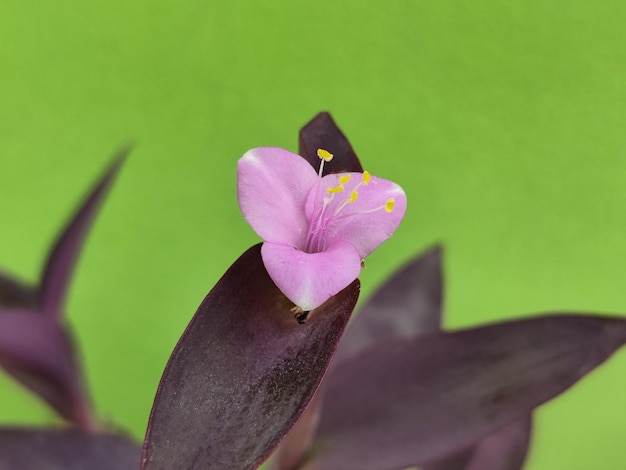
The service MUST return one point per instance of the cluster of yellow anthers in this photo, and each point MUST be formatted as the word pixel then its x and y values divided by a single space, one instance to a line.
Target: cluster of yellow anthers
pixel 326 156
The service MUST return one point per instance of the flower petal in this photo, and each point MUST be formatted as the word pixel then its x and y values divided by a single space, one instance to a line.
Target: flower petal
pixel 272 188
pixel 310 279
pixel 363 223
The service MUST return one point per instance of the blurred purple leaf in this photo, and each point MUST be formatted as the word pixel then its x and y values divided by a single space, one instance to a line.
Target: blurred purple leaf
pixel 35 347
pixel 36 350
pixel 25 449
pixel 59 267
pixel 407 304
pixel 504 449
pixel 15 294
pixel 321 132
pixel 409 401
pixel 241 374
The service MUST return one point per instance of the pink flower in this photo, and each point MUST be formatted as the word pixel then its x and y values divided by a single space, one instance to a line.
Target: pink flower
pixel 316 230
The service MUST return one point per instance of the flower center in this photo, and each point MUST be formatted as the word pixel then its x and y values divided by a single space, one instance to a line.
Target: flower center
pixel 332 207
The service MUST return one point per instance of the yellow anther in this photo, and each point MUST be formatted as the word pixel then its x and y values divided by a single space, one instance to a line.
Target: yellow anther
pixel 336 189
pixel 343 179
pixel 390 203
pixel 324 155
pixel 353 196
pixel 366 177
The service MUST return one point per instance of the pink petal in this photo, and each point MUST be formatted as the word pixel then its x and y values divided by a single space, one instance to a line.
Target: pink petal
pixel 310 279
pixel 272 188
pixel 359 223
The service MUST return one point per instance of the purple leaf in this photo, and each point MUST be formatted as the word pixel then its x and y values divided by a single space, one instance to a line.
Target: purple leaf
pixel 321 132
pixel 36 350
pixel 241 374
pixel 62 258
pixel 15 294
pixel 410 401
pixel 504 449
pixel 407 304
pixel 293 449
pixel 26 449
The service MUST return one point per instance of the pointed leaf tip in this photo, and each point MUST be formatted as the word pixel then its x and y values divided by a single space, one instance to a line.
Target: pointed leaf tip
pixel 241 374
pixel 62 258
pixel 321 132
pixel 474 381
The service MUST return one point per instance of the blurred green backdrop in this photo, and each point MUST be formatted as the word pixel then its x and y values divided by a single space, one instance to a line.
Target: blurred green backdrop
pixel 503 120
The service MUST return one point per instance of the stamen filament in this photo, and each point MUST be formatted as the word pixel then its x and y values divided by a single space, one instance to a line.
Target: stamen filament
pixel 353 197
pixel 388 206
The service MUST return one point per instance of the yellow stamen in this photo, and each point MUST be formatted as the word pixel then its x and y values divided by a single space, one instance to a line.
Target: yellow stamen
pixel 336 189
pixel 353 196
pixel 344 178
pixel 389 205
pixel 366 177
pixel 324 155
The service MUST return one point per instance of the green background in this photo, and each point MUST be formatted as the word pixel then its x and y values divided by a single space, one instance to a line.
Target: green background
pixel 503 120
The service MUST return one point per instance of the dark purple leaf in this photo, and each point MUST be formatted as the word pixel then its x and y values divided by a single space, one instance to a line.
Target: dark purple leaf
pixel 26 449
pixel 37 351
pixel 504 449
pixel 410 303
pixel 407 304
pixel 62 258
pixel 241 374
pixel 409 401
pixel 294 448
pixel 14 294
pixel 321 132
pixel 458 460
